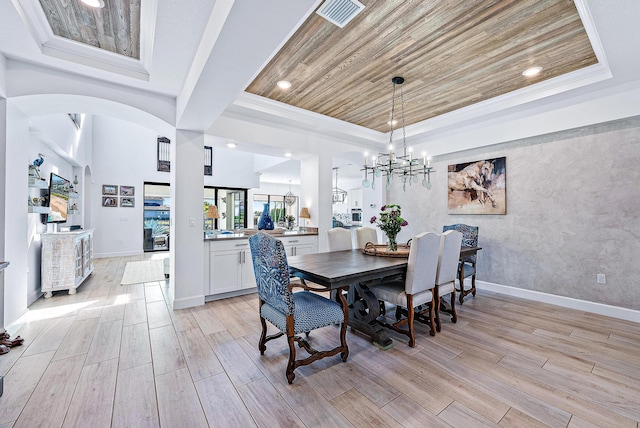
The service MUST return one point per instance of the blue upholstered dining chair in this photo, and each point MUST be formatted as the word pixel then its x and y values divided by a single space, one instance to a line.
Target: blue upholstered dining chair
pixel 416 290
pixel 292 313
pixel 449 256
pixel 469 239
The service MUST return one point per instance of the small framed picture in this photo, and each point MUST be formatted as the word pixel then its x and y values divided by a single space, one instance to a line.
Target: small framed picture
pixel 108 201
pixel 127 190
pixel 127 202
pixel 109 189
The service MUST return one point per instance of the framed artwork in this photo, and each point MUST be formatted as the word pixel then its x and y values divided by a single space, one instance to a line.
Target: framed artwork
pixel 127 190
pixel 478 187
pixel 109 201
pixel 109 189
pixel 127 202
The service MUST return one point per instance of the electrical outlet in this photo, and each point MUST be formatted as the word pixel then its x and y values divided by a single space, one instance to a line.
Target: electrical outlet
pixel 601 279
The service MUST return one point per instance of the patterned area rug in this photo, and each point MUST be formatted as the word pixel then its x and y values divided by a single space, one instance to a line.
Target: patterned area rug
pixel 146 271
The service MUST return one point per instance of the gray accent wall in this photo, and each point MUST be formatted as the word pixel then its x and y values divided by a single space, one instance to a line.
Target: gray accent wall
pixel 573 210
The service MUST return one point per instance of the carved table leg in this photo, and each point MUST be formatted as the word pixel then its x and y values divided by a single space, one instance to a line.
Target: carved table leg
pixel 363 311
pixel 48 294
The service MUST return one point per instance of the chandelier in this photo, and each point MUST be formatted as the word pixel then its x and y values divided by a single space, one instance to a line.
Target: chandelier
pixel 289 198
pixel 339 195
pixel 403 165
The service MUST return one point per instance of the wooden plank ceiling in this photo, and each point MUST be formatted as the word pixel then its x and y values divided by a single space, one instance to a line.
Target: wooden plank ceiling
pixel 451 53
pixel 115 28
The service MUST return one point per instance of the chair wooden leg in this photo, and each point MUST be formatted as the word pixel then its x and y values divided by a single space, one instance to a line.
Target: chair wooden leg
pixel 436 311
pixel 343 328
pixel 454 315
pixel 291 365
pixel 473 285
pixel 410 318
pixel 263 335
pixel 432 325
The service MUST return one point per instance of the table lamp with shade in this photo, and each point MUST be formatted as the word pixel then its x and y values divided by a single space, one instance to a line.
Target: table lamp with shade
pixel 304 213
pixel 212 213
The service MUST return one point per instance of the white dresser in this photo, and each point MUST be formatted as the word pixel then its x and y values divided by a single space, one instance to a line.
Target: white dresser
pixel 67 260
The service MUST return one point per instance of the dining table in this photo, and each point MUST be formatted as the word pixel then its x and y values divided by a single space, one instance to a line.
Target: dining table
pixel 349 270
pixel 354 271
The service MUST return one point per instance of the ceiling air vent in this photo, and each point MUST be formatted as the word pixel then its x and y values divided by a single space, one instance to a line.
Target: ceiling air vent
pixel 340 12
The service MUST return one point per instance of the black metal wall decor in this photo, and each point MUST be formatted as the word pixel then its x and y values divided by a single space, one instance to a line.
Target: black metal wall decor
pixel 164 154
pixel 208 160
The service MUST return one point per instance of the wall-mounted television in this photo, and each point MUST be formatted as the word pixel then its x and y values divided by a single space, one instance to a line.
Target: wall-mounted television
pixel 58 199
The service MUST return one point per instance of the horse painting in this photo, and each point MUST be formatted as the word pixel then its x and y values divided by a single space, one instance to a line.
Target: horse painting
pixel 471 184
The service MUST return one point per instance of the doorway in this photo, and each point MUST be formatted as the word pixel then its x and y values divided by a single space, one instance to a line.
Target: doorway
pixel 156 212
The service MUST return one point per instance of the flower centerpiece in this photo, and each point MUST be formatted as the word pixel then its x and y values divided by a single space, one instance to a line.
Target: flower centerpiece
pixel 390 222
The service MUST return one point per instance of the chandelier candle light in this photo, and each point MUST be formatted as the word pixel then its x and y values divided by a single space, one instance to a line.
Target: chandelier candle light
pixel 390 163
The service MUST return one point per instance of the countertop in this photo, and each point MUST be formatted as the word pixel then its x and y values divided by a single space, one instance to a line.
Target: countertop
pixel 230 236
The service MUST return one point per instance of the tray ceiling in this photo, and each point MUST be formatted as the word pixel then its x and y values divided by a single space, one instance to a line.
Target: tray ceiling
pixel 115 28
pixel 452 54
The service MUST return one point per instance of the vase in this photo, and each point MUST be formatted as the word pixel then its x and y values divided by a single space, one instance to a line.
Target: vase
pixel 265 222
pixel 392 245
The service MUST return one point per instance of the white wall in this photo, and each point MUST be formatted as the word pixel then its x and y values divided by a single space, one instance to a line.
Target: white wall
pixel 124 154
pixel 572 212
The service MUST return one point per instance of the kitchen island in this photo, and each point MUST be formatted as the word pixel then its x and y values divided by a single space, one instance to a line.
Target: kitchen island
pixel 228 270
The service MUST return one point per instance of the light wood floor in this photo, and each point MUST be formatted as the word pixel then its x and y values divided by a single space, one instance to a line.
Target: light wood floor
pixel 115 355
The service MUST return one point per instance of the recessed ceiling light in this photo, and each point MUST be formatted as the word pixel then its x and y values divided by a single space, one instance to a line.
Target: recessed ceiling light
pixel 94 3
pixel 532 71
pixel 392 122
pixel 232 145
pixel 284 84
pixel 288 154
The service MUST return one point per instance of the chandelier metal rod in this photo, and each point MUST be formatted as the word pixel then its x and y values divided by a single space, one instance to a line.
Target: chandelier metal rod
pixel 403 165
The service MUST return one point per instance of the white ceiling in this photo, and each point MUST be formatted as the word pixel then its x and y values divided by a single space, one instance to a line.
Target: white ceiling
pixel 205 53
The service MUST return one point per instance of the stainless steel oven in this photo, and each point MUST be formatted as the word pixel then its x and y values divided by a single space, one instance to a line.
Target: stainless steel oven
pixel 356 216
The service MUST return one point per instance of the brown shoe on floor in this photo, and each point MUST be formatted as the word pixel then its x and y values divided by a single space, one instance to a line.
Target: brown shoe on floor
pixel 12 342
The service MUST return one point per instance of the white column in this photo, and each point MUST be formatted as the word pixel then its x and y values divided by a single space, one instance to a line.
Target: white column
pixel 186 280
pixel 14 161
pixel 315 193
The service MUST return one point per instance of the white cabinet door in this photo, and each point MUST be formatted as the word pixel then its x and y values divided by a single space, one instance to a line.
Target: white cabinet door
pixel 224 271
pixel 248 277
pixel 299 245
pixel 305 249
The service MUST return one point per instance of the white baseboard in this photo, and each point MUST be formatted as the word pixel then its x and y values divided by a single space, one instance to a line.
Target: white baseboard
pixel 118 254
pixel 188 302
pixel 566 302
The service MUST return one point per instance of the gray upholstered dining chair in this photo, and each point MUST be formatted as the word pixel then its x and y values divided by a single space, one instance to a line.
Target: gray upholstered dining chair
pixel 468 269
pixel 449 256
pixel 339 239
pixel 416 291
pixel 364 235
pixel 292 313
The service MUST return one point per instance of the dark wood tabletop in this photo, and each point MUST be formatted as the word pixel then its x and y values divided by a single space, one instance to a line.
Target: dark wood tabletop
pixel 338 269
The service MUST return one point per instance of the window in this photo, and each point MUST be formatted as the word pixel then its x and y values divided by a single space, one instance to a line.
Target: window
pixel 230 208
pixel 278 209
